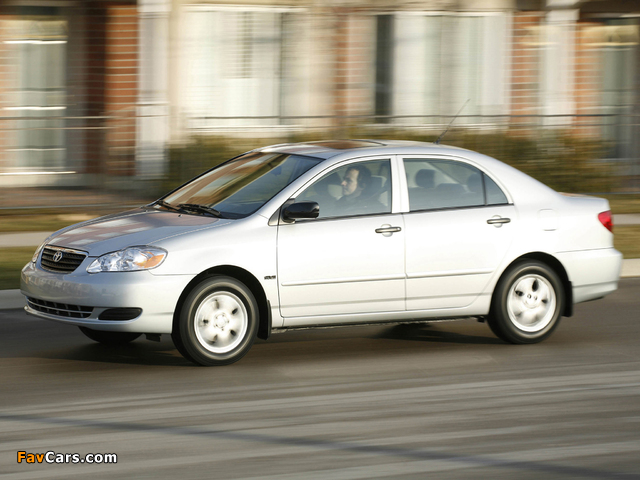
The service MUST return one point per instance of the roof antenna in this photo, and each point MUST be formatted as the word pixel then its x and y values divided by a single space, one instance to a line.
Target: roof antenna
pixel 452 120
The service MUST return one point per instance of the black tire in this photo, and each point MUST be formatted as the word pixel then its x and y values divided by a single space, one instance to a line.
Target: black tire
pixel 218 322
pixel 527 303
pixel 109 338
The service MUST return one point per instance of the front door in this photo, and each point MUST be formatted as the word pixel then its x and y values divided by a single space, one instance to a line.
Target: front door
pixel 350 259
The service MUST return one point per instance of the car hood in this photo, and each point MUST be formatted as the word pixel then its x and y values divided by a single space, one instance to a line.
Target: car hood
pixel 135 227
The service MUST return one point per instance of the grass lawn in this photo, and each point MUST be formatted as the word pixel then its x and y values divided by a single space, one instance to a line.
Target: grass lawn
pixel 11 262
pixel 42 222
pixel 623 203
pixel 626 239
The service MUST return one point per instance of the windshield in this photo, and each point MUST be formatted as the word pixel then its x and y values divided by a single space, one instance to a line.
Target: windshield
pixel 238 188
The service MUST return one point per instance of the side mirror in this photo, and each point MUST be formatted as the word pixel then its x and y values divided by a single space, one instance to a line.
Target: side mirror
pixel 296 211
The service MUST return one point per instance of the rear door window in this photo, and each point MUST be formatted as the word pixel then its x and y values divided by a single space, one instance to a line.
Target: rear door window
pixel 437 184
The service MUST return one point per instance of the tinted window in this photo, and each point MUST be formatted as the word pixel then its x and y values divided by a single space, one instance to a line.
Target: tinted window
pixel 442 184
pixel 495 196
pixel 361 188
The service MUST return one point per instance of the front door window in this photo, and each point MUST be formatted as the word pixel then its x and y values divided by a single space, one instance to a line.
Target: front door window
pixel 362 188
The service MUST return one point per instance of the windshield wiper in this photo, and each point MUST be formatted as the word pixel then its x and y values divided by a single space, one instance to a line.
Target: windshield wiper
pixel 200 208
pixel 168 206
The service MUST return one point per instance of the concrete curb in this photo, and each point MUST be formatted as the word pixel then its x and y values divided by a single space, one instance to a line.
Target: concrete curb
pixel 630 268
pixel 626 219
pixel 14 299
pixel 24 239
pixel 11 299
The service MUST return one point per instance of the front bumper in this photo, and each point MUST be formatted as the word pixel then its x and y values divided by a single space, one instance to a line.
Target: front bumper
pixel 156 295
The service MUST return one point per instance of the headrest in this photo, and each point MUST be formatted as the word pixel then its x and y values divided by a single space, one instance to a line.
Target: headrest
pixel 425 178
pixel 474 183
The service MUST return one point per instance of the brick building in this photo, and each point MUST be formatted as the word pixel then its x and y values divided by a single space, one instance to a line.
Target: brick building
pixel 97 89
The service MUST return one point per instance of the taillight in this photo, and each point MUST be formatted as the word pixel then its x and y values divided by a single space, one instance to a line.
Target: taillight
pixel 606 220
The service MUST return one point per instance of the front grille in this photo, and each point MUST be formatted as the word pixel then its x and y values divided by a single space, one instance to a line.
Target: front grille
pixel 59 309
pixel 69 261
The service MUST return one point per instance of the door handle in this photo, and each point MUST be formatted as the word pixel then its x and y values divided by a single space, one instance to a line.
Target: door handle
pixel 388 230
pixel 498 220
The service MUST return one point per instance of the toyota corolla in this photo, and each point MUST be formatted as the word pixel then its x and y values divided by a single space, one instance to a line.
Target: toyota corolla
pixel 324 234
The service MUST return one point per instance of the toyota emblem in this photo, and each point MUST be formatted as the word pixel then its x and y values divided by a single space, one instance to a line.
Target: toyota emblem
pixel 57 256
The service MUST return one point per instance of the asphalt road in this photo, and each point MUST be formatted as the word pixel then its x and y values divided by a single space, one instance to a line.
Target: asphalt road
pixel 442 400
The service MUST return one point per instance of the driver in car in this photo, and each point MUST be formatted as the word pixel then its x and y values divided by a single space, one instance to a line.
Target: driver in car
pixel 354 192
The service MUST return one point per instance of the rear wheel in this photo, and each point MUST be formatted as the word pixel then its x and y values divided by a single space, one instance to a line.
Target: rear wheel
pixel 527 304
pixel 218 322
pixel 109 338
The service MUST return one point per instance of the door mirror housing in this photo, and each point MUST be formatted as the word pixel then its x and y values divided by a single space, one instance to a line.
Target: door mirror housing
pixel 300 210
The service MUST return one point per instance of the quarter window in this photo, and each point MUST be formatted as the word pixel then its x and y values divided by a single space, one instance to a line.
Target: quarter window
pixel 362 188
pixel 495 196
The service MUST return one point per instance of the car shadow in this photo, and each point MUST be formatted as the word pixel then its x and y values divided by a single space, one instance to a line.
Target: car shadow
pixel 73 346
pixel 432 332
pixel 139 352
pixel 287 345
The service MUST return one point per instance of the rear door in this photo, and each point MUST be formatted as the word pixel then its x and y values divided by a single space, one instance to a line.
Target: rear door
pixel 459 228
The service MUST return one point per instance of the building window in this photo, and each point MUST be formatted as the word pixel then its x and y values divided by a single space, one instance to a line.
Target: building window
pixel 36 90
pixel 436 62
pixel 237 62
pixel 618 45
pixel 384 66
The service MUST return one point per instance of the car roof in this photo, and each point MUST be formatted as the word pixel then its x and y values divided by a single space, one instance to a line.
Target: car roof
pixel 326 149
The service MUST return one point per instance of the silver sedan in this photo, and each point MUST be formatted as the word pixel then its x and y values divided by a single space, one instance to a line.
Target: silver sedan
pixel 329 233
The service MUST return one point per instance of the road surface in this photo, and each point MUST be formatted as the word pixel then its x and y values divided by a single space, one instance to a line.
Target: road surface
pixel 443 400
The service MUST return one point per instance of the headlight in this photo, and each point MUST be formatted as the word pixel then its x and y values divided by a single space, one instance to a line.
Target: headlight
pixel 34 259
pixel 128 260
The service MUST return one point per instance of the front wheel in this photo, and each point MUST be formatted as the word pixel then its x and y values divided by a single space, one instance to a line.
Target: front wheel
pixel 109 338
pixel 217 323
pixel 527 304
